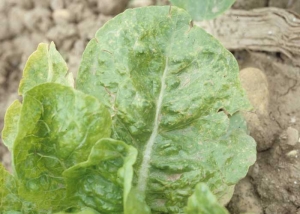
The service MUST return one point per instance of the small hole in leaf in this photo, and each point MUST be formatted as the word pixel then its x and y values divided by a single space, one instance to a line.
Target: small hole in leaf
pixel 224 110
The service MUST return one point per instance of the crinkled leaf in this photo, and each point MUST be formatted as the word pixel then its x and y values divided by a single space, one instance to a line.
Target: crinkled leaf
pixel 136 204
pixel 204 202
pixel 204 9
pixel 45 66
pixel 11 120
pixel 103 181
pixel 169 88
pixel 9 200
pixel 58 126
pixel 42 66
pixel 82 211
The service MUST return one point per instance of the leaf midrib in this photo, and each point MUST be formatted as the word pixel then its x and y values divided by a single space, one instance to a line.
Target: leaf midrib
pixel 144 169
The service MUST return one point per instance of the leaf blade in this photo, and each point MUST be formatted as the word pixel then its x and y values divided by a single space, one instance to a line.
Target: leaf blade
pixel 11 120
pixel 103 182
pixel 45 65
pixel 204 9
pixel 165 84
pixel 204 202
pixel 56 132
pixel 9 201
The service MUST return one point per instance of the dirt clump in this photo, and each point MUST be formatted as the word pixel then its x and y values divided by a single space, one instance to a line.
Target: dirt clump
pixel 255 84
pixel 274 179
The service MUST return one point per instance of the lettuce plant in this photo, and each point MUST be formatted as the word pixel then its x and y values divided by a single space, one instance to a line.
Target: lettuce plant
pixel 152 124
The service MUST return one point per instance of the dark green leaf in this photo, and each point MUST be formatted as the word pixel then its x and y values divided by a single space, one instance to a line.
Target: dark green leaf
pixel 103 181
pixel 171 89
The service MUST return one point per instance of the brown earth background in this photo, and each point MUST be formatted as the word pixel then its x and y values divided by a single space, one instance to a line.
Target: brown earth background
pixel 272 185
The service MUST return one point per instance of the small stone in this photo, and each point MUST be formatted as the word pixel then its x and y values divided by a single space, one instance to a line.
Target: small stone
pixel 293 120
pixel 292 136
pixel 292 154
pixel 140 3
pixel 109 7
pixel 57 4
pixel 255 83
pixel 61 16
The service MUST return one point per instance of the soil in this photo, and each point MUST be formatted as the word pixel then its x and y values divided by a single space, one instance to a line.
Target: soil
pixel 272 185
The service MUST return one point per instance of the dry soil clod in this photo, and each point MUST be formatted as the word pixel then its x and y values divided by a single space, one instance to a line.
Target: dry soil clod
pixel 255 84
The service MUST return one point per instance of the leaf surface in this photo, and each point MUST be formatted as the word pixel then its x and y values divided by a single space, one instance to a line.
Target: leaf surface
pixel 204 202
pixel 103 181
pixel 9 201
pixel 135 203
pixel 11 120
pixel 165 84
pixel 204 9
pixel 58 127
pixel 45 65
pixel 82 211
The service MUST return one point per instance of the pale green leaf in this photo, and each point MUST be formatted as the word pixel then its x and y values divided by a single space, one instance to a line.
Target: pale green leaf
pixel 11 120
pixel 204 202
pixel 171 89
pixel 204 9
pixel 103 181
pixel 45 65
pixel 82 211
pixel 9 200
pixel 58 127
pixel 136 204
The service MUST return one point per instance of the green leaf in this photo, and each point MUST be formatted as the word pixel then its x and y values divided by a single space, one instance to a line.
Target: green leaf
pixel 82 211
pixel 204 9
pixel 103 181
pixel 165 83
pixel 11 120
pixel 58 127
pixel 204 202
pixel 42 66
pixel 237 122
pixel 9 200
pixel 45 66
pixel 136 204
